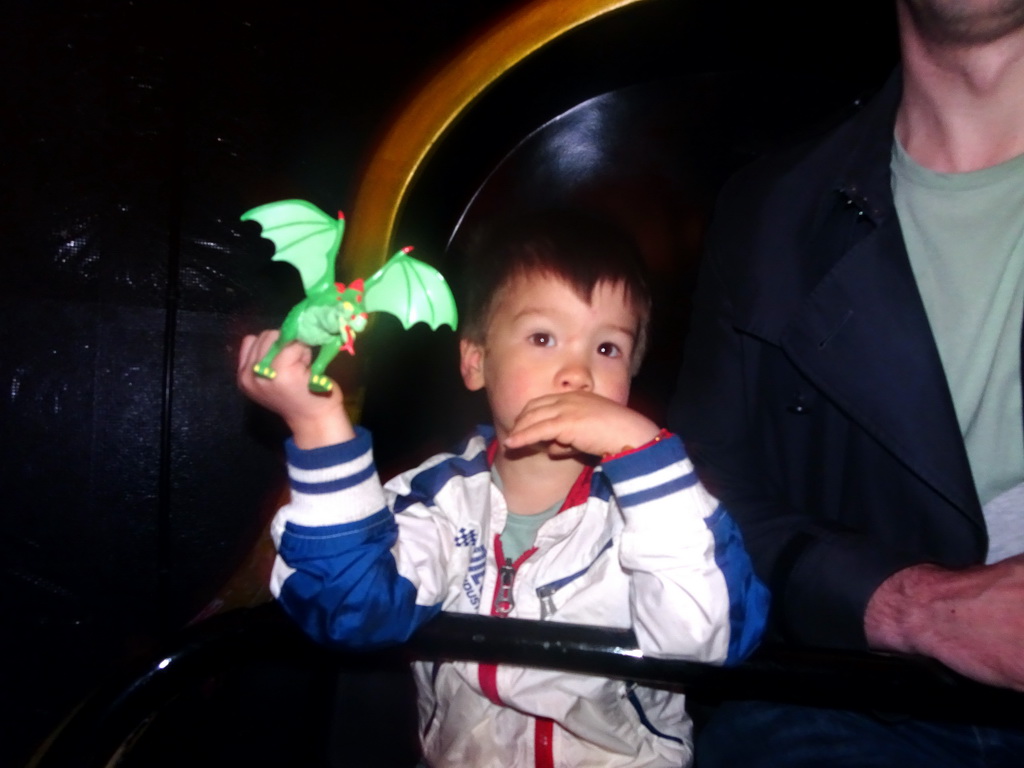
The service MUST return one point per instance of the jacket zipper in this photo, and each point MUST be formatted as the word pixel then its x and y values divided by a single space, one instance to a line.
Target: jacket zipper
pixel 546 592
pixel 501 606
pixel 547 600
pixel 504 599
pixel 504 602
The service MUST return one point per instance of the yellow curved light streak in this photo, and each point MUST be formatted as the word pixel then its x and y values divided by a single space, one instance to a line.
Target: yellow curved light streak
pixel 421 124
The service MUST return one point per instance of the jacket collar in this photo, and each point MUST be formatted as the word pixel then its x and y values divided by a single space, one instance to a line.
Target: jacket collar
pixel 861 333
pixel 864 179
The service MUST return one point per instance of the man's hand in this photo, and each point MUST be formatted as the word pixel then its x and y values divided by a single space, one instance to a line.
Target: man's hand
pixel 970 620
pixel 582 422
pixel 315 420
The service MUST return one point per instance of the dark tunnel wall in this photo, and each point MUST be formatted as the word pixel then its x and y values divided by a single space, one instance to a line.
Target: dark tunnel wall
pixel 134 480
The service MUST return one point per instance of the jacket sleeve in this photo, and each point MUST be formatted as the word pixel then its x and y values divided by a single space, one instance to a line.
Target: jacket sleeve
pixel 337 572
pixel 693 594
pixel 821 574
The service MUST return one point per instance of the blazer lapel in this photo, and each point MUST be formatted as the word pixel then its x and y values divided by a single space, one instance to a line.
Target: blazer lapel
pixel 862 336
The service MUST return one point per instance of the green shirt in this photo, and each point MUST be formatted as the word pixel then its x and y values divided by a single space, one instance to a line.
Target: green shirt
pixel 521 530
pixel 965 237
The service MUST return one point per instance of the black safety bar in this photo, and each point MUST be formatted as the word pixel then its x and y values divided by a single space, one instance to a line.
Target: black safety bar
pixel 886 683
pixel 890 683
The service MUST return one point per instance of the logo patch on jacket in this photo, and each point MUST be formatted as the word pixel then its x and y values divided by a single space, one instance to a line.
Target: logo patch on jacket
pixel 473 583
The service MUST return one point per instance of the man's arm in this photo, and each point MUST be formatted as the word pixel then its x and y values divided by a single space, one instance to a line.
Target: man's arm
pixel 726 408
pixel 831 586
pixel 971 620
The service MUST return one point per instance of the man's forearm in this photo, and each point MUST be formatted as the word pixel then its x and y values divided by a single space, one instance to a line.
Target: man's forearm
pixel 901 612
pixel 972 620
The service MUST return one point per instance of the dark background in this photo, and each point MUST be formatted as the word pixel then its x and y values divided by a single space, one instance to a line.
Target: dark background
pixel 134 480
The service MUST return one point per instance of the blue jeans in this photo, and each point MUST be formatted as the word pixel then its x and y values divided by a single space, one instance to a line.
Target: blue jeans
pixel 750 734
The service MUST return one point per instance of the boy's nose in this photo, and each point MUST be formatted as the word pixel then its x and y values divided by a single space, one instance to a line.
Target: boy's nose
pixel 575 376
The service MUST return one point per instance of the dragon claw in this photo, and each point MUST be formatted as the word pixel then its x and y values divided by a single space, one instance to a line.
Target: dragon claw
pixel 265 371
pixel 320 383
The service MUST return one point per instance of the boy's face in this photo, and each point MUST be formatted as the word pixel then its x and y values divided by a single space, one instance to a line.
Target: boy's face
pixel 542 339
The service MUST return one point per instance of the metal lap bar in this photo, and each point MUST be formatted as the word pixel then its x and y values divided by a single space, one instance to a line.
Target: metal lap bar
pixel 121 707
pixel 887 683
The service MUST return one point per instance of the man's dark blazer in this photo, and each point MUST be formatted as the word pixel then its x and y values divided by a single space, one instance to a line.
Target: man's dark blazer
pixel 812 397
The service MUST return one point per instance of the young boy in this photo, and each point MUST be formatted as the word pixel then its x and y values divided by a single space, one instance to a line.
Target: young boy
pixel 572 507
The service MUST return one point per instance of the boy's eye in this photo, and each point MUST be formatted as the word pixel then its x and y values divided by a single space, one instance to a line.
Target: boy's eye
pixel 541 339
pixel 609 349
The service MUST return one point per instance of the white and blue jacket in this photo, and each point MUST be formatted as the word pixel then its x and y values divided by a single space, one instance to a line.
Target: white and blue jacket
pixel 639 543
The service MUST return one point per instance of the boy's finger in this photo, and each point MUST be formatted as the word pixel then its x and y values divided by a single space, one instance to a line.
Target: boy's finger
pixel 539 431
pixel 251 352
pixel 293 353
pixel 244 353
pixel 527 418
pixel 545 408
pixel 542 401
pixel 263 343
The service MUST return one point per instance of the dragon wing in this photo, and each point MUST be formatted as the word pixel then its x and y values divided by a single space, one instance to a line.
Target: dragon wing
pixel 411 291
pixel 304 236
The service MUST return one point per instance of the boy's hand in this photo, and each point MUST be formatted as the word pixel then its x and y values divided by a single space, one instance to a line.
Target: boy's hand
pixel 580 421
pixel 315 420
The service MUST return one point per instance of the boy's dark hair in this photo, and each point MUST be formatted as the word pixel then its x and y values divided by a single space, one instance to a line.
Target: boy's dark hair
pixel 577 247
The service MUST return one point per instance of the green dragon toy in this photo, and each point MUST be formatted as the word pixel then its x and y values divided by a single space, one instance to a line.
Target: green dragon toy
pixel 332 314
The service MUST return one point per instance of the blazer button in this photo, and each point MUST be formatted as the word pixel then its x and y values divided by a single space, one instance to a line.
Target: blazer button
pixel 798 407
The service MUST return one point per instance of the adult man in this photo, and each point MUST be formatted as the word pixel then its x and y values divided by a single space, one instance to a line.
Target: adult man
pixel 852 384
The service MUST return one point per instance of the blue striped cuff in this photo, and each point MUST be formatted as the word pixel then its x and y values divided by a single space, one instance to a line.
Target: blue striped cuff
pixel 329 455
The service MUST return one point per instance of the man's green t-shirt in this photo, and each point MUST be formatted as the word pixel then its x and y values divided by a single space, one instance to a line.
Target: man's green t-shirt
pixel 965 236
